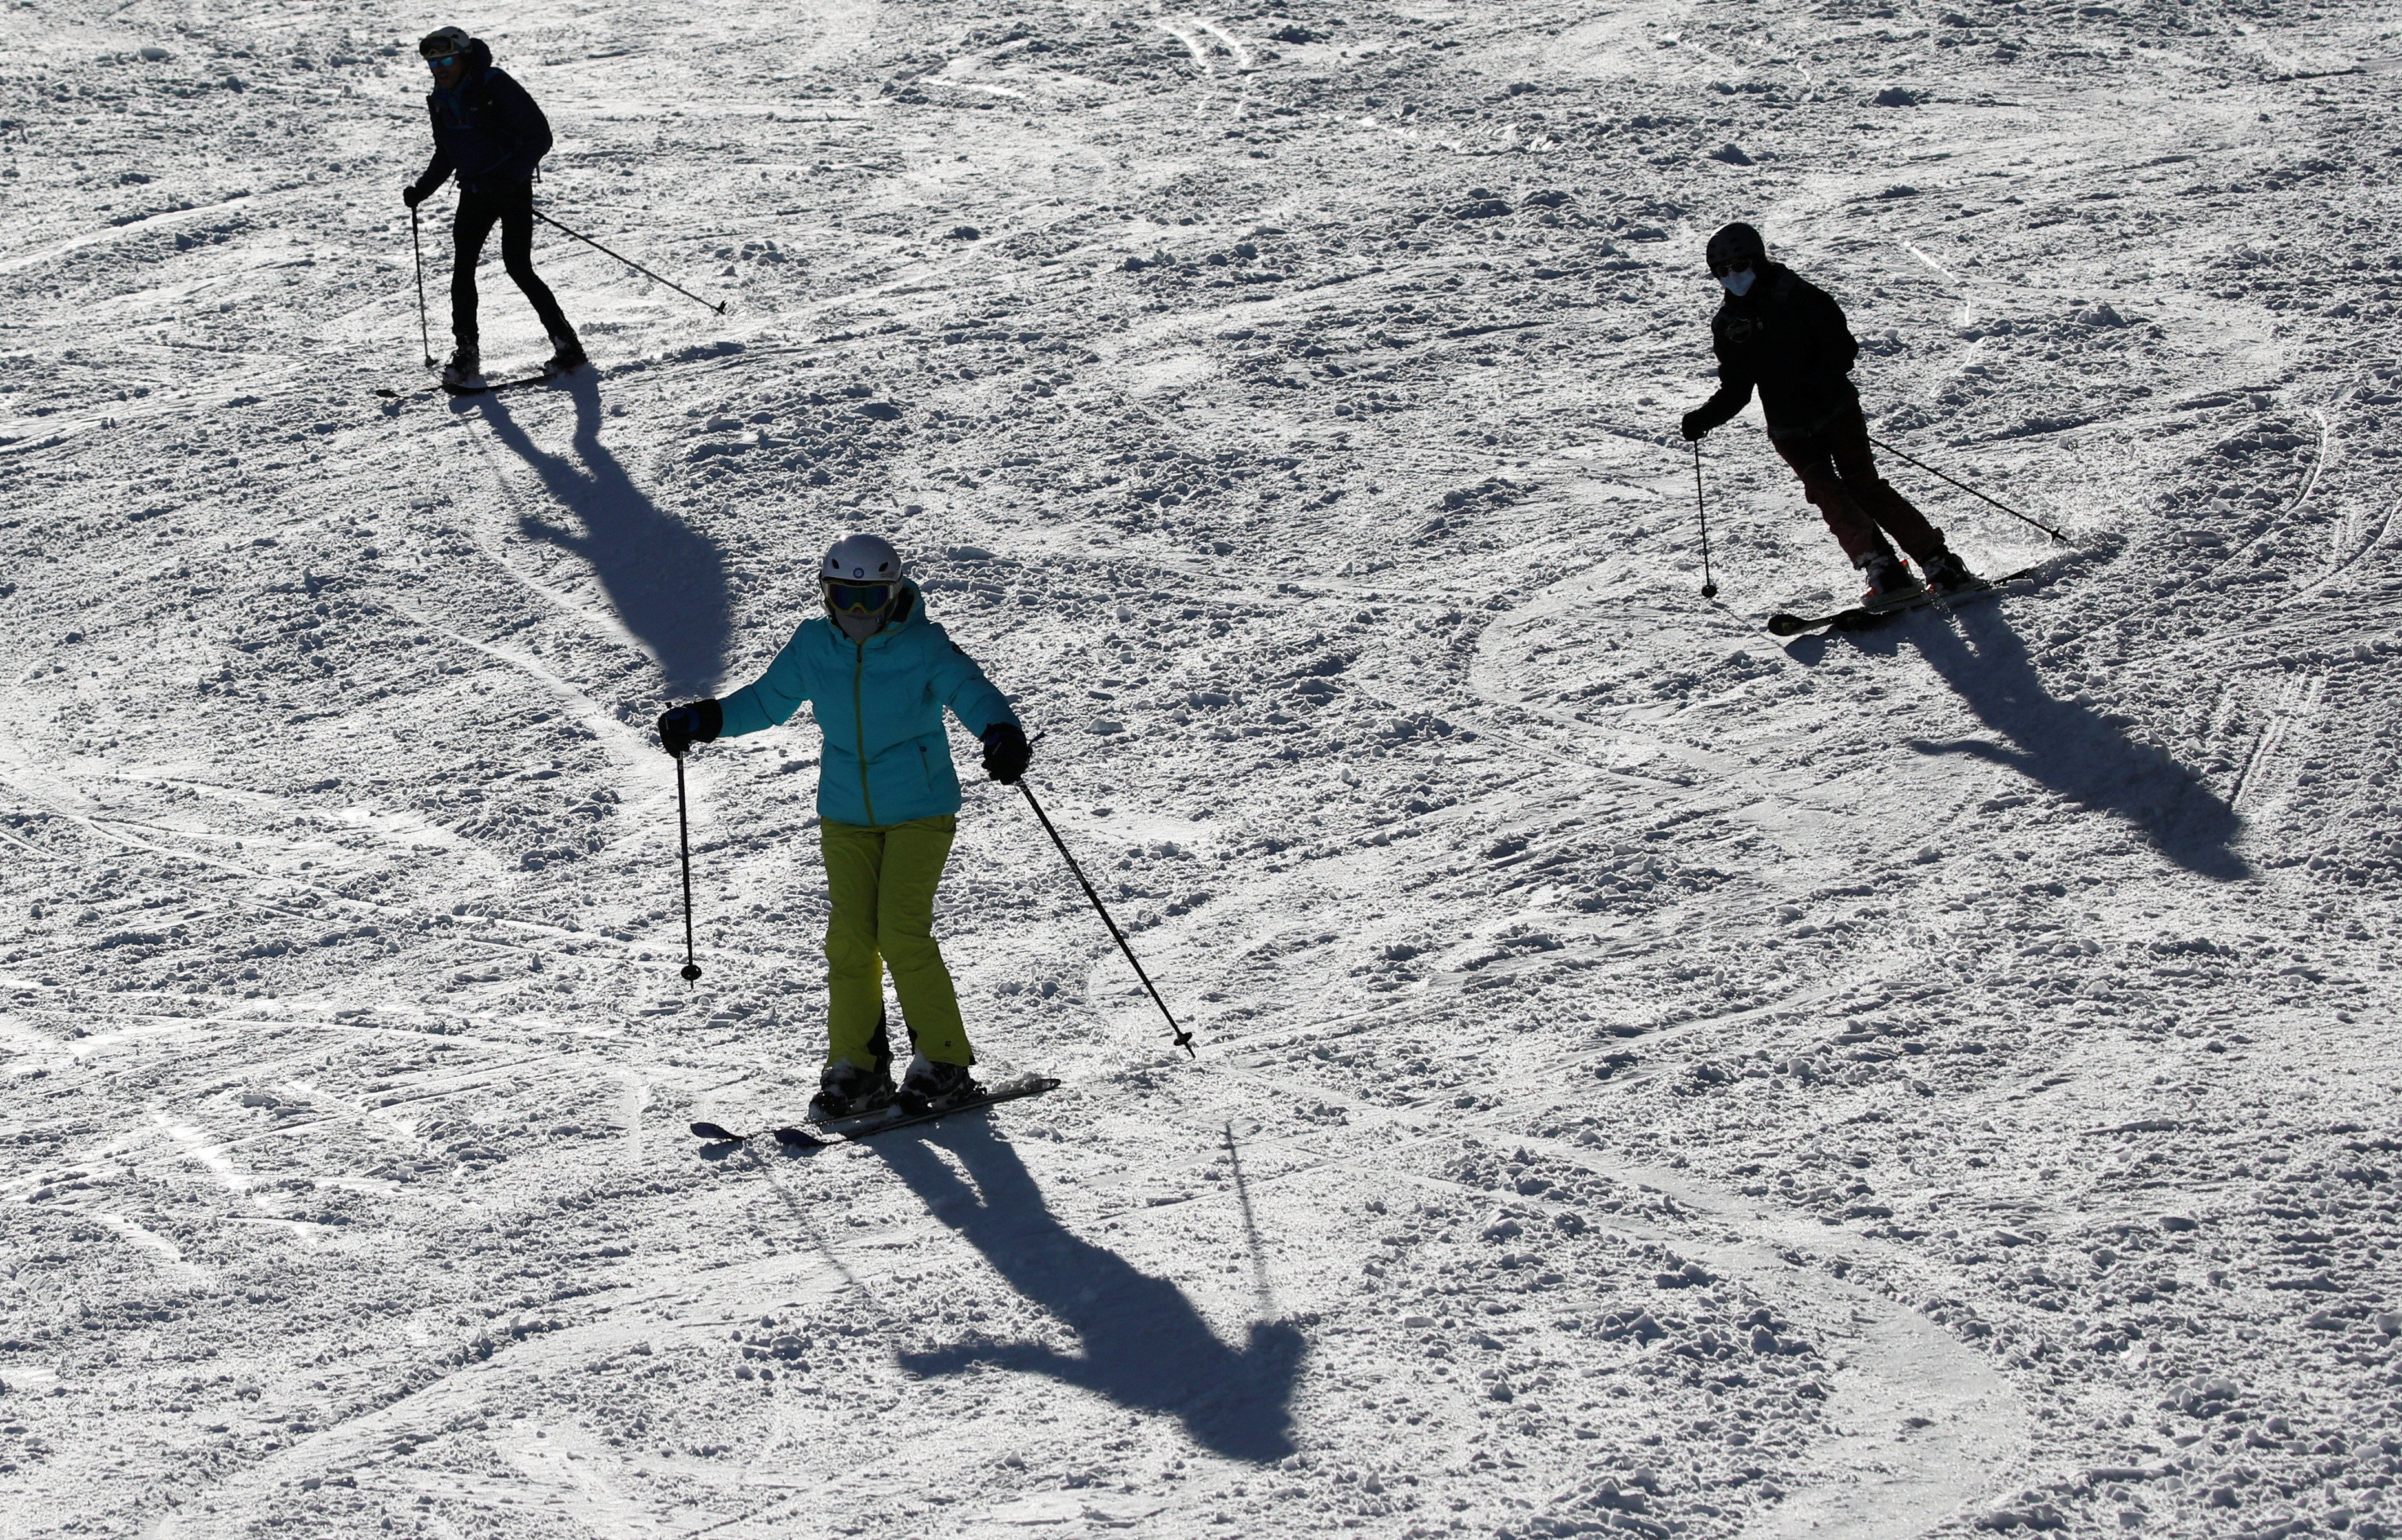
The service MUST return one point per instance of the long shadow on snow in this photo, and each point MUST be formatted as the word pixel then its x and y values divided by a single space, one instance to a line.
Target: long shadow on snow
pixel 1145 1346
pixel 2071 751
pixel 666 582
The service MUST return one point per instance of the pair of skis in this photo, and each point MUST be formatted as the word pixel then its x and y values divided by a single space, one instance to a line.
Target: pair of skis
pixel 853 1130
pixel 491 387
pixel 1861 617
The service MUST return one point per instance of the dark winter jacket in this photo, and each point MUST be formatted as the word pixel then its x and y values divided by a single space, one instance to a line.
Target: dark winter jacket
pixel 485 129
pixel 1788 337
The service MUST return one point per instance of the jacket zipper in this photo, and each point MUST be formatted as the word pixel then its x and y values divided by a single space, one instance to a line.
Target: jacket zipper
pixel 926 764
pixel 859 722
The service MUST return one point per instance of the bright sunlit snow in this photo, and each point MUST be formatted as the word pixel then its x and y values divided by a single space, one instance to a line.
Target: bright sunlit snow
pixel 1652 1077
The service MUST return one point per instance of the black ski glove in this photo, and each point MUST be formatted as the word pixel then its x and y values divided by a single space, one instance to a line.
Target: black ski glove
pixel 413 195
pixel 1006 752
pixel 682 726
pixel 1694 426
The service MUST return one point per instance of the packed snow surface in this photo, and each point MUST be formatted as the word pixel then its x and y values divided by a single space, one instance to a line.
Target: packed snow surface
pixel 1651 1078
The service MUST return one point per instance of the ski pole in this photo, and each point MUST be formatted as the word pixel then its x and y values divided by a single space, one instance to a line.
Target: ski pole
pixel 1709 584
pixel 424 337
pixel 1971 490
pixel 719 306
pixel 684 838
pixel 1184 1038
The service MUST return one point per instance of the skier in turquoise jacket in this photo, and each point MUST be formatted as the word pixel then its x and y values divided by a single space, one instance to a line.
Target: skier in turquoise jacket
pixel 877 674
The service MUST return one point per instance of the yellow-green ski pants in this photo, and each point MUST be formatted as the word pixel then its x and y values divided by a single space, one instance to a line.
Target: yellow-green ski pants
pixel 880 880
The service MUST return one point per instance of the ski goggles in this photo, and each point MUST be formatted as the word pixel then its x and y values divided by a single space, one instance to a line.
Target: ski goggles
pixel 444 63
pixel 859 598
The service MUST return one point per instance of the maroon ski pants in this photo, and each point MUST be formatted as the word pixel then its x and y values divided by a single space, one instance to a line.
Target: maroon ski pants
pixel 1860 506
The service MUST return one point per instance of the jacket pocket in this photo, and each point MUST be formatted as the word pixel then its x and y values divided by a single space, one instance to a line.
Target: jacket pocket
pixel 926 764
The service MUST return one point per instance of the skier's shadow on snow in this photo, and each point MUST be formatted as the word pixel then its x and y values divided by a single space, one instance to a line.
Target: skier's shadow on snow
pixel 1144 1345
pixel 2071 751
pixel 664 580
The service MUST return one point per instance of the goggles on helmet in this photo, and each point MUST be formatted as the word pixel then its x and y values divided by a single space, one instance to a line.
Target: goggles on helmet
pixel 858 598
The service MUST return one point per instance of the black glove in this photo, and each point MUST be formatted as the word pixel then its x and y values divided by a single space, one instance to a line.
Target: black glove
pixel 682 726
pixel 1006 752
pixel 413 195
pixel 1693 427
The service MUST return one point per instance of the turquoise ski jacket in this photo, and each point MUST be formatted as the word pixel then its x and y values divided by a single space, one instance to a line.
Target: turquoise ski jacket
pixel 880 702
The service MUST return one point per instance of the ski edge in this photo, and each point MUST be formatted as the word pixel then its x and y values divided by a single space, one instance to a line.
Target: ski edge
pixel 462 391
pixel 802 1138
pixel 496 385
pixel 796 1138
pixel 1785 624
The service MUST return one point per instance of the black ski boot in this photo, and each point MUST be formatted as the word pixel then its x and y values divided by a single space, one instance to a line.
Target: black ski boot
pixel 1948 574
pixel 932 1087
pixel 1890 583
pixel 847 1091
pixel 567 354
pixel 466 366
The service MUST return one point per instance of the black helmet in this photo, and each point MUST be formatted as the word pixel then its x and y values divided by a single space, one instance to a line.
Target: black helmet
pixel 1735 247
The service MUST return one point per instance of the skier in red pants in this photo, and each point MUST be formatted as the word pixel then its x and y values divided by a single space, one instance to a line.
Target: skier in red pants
pixel 1787 336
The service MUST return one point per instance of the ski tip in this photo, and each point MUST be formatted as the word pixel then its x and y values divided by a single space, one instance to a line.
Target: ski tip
pixel 794 1138
pixel 715 1135
pixel 1786 625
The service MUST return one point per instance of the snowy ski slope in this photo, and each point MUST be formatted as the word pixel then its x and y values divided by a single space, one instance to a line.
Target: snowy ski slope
pixel 1653 1077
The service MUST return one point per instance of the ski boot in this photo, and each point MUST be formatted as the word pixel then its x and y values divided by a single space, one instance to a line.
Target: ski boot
pixel 1890 582
pixel 932 1087
pixel 1948 574
pixel 467 367
pixel 847 1091
pixel 567 354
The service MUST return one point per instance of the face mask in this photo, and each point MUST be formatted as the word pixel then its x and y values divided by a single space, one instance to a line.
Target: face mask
pixel 859 628
pixel 1737 283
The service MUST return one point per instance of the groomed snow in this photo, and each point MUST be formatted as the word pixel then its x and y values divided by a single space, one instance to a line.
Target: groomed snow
pixel 1653 1077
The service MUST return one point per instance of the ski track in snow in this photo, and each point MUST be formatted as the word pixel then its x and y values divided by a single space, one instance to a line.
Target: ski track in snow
pixel 1653 1079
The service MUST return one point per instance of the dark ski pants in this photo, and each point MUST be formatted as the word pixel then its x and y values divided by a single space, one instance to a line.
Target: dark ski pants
pixel 1838 475
pixel 512 209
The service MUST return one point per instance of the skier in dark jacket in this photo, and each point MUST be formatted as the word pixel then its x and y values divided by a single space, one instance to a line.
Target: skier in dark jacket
pixel 1780 334
pixel 490 135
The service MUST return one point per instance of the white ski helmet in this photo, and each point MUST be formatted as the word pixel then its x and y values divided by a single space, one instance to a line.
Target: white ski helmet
pixel 443 42
pixel 862 559
pixel 861 579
